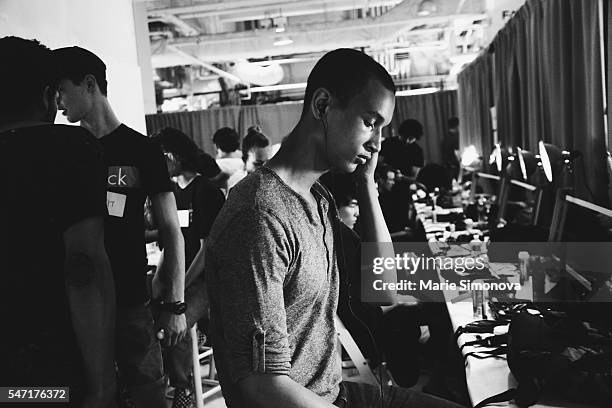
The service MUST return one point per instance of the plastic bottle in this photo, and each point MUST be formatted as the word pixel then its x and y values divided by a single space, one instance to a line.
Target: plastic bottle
pixel 523 258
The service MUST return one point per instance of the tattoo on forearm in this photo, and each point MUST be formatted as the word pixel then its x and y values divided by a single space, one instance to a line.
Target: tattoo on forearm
pixel 80 270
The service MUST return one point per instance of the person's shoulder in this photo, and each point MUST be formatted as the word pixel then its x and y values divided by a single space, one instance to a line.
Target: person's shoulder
pixel 260 192
pixel 125 130
pixel 69 139
pixel 71 143
pixel 252 209
pixel 126 135
pixel 206 188
pixel 256 190
pixel 77 134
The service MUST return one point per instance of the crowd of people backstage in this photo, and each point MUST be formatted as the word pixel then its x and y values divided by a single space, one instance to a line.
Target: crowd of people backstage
pixel 264 258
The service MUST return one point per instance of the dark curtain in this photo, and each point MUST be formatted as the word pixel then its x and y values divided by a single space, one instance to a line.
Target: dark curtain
pixel 199 125
pixel 475 98
pixel 276 121
pixel 548 86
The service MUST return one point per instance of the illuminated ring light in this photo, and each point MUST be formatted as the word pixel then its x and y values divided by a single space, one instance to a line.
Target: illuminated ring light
pixel 496 157
pixel 522 163
pixel 469 156
pixel 545 161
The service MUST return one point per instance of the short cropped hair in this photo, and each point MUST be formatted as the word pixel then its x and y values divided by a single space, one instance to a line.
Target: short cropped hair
pixel 26 69
pixel 251 140
pixel 181 146
pixel 76 62
pixel 453 122
pixel 411 128
pixel 226 139
pixel 344 73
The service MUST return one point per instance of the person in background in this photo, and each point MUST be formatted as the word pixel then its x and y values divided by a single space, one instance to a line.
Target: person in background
pixel 229 157
pixel 450 148
pixel 255 149
pixel 395 210
pixel 403 153
pixel 393 330
pixel 198 202
pixel 433 176
pixel 57 298
pixel 207 165
pixel 136 169
pixel 411 131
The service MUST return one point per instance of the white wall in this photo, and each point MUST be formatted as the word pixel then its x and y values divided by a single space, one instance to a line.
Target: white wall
pixel 106 27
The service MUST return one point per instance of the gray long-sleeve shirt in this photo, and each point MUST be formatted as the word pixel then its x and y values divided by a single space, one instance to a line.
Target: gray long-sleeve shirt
pixel 273 282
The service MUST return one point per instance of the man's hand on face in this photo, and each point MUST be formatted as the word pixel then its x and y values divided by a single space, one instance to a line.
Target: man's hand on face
pixel 174 328
pixel 365 172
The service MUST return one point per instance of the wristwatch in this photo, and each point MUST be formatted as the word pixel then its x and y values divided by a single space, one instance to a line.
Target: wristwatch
pixel 176 308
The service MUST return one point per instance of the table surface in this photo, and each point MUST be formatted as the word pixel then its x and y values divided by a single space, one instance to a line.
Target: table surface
pixel 490 376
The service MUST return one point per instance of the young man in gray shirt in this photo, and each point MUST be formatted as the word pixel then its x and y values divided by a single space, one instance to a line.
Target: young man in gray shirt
pixel 271 263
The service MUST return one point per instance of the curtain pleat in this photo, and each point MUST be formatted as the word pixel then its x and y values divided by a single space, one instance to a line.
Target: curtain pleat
pixel 276 121
pixel 547 86
pixel 475 98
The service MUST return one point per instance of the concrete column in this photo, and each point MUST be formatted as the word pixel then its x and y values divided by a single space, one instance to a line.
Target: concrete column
pixel 143 48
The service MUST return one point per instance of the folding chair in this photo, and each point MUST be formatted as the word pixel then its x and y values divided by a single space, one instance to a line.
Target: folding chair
pixel 348 343
pixel 484 179
pixel 197 374
pixel 558 224
pixel 505 192
pixel 560 212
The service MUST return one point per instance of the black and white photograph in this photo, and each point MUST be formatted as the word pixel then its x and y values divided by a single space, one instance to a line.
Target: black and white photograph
pixel 305 203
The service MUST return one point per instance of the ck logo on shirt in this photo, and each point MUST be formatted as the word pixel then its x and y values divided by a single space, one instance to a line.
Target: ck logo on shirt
pixel 123 176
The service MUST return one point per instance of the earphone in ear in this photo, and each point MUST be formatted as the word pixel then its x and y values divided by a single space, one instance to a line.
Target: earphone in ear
pixel 321 110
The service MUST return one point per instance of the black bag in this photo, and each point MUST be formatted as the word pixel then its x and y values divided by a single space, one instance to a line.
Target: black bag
pixel 551 353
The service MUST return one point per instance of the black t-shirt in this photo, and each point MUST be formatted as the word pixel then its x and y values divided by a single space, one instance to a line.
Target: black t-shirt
pixel 402 156
pixel 414 154
pixel 392 151
pixel 449 145
pixel 395 209
pixel 51 177
pixel 207 165
pixel 136 168
pixel 201 202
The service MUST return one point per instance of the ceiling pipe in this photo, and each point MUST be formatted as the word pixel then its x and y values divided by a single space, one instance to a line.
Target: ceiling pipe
pixel 290 10
pixel 206 65
pixel 320 28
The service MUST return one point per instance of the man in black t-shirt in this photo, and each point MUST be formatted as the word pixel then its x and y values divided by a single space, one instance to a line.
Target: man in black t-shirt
pixel 56 290
pixel 403 153
pixel 198 202
pixel 136 169
pixel 450 148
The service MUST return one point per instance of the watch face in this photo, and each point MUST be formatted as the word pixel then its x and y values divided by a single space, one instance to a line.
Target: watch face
pixel 174 307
